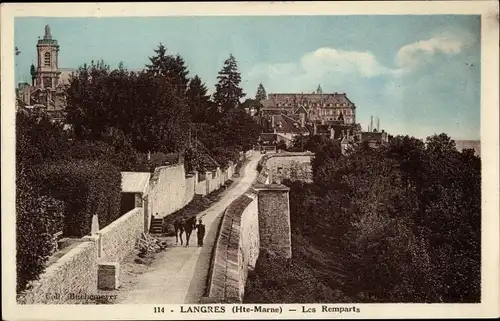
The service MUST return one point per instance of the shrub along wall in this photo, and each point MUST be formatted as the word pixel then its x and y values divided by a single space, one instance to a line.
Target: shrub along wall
pixel 86 187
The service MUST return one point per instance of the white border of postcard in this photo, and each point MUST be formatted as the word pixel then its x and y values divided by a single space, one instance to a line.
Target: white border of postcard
pixel 489 307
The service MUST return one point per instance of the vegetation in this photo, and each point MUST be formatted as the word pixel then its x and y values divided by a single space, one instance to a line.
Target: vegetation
pixel 401 223
pixel 261 93
pixel 120 121
pixel 228 91
pixel 38 217
pixel 86 187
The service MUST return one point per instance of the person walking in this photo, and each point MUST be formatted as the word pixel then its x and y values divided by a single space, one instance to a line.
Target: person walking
pixel 200 232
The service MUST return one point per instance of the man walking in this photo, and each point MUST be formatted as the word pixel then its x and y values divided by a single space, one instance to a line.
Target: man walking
pixel 200 232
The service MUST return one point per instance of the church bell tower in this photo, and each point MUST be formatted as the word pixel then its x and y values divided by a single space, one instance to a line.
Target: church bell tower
pixel 47 71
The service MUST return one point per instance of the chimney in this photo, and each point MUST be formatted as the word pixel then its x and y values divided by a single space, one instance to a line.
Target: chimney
pixel 315 129
pixel 332 133
pixel 302 119
pixel 378 124
pixel 371 124
pixel 272 121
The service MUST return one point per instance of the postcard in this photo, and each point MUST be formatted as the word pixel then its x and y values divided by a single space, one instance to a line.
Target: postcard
pixel 248 160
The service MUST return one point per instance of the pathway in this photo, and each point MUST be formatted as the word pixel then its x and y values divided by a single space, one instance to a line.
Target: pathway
pixel 180 274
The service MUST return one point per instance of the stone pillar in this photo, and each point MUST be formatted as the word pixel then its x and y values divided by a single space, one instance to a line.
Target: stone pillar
pixel 108 274
pixel 146 214
pixel 274 219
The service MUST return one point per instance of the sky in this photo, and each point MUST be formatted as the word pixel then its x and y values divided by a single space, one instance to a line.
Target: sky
pixel 419 75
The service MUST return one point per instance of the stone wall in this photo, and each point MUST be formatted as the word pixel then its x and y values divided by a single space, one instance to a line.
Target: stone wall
pixel 119 238
pixel 169 190
pixel 274 219
pixel 294 166
pixel 202 187
pixel 236 249
pixel 259 219
pixel 214 180
pixel 74 273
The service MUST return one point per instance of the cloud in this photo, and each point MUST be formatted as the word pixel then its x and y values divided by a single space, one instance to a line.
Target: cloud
pixel 342 61
pixel 324 61
pixel 411 56
pixel 427 83
pixel 325 65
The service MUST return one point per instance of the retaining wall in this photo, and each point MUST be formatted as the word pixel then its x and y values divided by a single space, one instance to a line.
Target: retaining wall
pixel 169 190
pixel 73 273
pixel 76 271
pixel 119 238
pixel 236 249
pixel 294 166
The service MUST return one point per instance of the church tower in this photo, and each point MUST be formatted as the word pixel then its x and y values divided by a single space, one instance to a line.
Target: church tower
pixel 47 71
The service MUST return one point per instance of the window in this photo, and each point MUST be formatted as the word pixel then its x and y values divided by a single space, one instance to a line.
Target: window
pixel 47 58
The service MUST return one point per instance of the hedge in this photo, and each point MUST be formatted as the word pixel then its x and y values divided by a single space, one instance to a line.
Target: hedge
pixel 86 187
pixel 37 219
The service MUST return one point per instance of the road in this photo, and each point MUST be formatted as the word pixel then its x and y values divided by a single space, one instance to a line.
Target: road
pixel 180 274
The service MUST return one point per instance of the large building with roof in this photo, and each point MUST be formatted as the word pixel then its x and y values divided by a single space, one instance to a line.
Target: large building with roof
pixel 288 115
pixel 48 80
pixel 317 107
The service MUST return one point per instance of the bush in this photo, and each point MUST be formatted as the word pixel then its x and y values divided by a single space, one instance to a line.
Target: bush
pixel 122 155
pixel 86 187
pixel 224 155
pixel 37 219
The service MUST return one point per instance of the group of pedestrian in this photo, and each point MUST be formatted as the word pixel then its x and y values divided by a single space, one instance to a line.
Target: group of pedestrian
pixel 182 226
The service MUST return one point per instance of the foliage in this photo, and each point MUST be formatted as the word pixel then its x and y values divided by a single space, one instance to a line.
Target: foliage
pixel 37 139
pixel 37 219
pixel 225 155
pixel 193 160
pixel 261 93
pixel 408 215
pixel 171 67
pixel 251 103
pixel 147 107
pixel 277 280
pixel 86 187
pixel 281 145
pixel 237 128
pixel 299 142
pixel 198 100
pixel 228 91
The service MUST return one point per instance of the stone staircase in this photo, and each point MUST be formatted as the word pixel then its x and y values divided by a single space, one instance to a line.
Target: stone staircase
pixel 156 226
pixel 197 198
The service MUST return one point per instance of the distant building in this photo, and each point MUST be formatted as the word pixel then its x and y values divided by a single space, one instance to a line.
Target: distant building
pixel 374 138
pixel 317 107
pixel 48 81
pixel 282 128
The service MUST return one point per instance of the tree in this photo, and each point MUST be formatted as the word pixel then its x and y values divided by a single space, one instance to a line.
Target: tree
pixel 146 106
pixel 299 142
pixel 228 91
pixel 88 99
pixel 171 67
pixel 198 100
pixel 237 128
pixel 261 93
pixel 252 104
